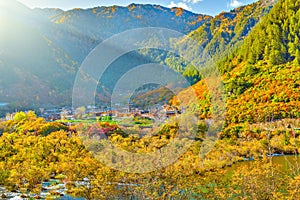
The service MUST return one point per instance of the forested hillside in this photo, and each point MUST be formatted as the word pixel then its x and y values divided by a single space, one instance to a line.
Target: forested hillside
pixel 216 38
pixel 225 32
pixel 78 31
pixel 261 77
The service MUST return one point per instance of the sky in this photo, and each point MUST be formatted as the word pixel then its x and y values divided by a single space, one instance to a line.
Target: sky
pixel 210 7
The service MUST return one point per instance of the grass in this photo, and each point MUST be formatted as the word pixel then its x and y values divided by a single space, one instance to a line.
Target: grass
pixel 121 121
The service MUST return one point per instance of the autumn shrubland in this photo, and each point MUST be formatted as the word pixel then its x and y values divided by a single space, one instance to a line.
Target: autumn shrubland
pixel 31 155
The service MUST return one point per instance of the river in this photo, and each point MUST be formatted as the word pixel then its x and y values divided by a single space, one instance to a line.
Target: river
pixel 285 161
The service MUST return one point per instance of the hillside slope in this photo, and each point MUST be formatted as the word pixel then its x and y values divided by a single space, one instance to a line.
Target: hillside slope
pixel 78 31
pixel 225 32
pixel 32 68
pixel 261 77
pixel 217 39
pixel 42 49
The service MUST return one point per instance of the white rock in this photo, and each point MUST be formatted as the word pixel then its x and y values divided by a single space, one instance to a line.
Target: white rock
pixel 16 198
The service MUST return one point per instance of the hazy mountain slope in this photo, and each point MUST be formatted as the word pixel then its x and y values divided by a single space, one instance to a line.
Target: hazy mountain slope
pixel 41 49
pixel 78 31
pixel 32 69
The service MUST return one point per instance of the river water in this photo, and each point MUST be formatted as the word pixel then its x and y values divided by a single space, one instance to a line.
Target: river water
pixel 285 161
pixel 2 104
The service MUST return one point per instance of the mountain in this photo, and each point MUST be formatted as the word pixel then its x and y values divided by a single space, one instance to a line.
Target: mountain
pixel 261 76
pixel 78 31
pixel 42 49
pixel 255 47
pixel 225 32
pixel 217 39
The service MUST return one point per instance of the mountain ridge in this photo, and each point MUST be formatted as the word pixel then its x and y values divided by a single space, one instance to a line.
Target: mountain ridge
pixel 39 58
pixel 68 42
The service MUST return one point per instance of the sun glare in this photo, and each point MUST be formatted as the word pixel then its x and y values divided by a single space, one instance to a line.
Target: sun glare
pixel 4 3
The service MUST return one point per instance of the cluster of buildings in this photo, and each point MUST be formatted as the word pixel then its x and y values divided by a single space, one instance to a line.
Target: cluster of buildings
pixel 93 112
pixel 156 112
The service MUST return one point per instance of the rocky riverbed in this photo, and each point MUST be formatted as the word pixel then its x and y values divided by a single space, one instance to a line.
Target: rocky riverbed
pixel 53 188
